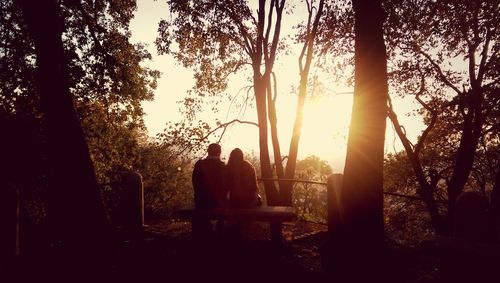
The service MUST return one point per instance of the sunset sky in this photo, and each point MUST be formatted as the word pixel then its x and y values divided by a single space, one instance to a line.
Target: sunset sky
pixel 326 119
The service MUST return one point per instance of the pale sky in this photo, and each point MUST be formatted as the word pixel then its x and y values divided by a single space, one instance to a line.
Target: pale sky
pixel 326 120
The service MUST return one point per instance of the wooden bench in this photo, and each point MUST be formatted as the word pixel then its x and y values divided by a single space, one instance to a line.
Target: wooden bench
pixel 273 214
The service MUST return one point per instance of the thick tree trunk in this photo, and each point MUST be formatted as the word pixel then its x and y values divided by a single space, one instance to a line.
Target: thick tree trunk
pixel 76 212
pixel 362 193
pixel 361 197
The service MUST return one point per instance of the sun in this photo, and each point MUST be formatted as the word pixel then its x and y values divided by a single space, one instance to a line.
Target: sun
pixel 325 126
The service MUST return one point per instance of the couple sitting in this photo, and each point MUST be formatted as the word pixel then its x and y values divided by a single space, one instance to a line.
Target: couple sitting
pixel 218 185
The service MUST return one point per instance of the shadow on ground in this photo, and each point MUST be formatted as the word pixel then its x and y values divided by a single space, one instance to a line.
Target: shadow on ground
pixel 165 252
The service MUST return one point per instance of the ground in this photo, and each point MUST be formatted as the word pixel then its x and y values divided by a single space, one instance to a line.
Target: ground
pixel 165 252
pixel 297 260
pixel 302 239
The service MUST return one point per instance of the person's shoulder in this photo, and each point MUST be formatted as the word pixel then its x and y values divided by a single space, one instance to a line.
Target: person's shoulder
pixel 199 163
pixel 211 162
pixel 247 165
pixel 220 164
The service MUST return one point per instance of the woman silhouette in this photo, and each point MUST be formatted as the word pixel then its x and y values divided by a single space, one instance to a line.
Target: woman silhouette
pixel 242 181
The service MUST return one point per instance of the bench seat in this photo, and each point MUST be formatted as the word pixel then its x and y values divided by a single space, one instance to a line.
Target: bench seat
pixel 260 213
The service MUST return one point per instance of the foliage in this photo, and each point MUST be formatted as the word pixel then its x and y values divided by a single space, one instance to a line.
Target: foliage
pixel 167 180
pixel 107 78
pixel 208 37
pixel 310 198
pixel 105 72
pixel 406 220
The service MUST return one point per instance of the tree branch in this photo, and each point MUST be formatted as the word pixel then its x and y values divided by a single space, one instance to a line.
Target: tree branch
pixel 277 29
pixel 440 72
pixel 421 140
pixel 224 126
pixel 308 35
pixel 484 55
pixel 268 30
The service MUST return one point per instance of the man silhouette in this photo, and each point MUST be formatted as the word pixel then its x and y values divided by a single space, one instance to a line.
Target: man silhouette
pixel 209 189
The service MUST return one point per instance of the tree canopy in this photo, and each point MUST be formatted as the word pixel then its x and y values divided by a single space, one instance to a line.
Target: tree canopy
pixel 107 77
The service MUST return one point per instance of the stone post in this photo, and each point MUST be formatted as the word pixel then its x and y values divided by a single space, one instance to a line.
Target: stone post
pixel 132 201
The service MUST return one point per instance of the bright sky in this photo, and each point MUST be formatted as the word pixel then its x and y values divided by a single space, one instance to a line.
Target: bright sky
pixel 326 120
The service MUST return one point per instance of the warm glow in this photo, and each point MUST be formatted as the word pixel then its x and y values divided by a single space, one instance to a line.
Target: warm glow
pixel 324 129
pixel 325 126
pixel 326 118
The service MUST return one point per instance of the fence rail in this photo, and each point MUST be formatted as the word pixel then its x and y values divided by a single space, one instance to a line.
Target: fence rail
pixel 324 184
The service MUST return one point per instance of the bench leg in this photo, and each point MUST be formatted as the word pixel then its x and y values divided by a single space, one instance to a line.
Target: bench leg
pixel 276 232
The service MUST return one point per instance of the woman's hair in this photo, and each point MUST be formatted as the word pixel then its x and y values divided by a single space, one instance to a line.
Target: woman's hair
pixel 235 157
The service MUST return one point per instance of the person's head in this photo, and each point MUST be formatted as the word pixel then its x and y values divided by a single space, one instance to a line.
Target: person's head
pixel 235 157
pixel 214 150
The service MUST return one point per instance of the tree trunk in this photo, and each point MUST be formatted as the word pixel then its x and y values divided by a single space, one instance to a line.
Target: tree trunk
pixel 286 190
pixel 469 140
pixel 272 194
pixel 361 196
pixel 273 122
pixel 75 209
pixel 426 191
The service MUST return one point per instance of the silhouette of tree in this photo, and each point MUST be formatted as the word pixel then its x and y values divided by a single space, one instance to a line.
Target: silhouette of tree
pixel 445 55
pixel 217 39
pixel 77 56
pixel 104 71
pixel 361 196
pixel 76 210
pixel 460 102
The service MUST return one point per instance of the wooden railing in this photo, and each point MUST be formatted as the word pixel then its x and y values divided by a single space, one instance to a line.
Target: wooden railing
pixel 325 184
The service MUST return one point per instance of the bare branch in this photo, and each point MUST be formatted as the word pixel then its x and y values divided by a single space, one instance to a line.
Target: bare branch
pixel 277 29
pixel 472 62
pixel 268 30
pixel 260 30
pixel 308 35
pixel 433 112
pixel 439 71
pixel 484 55
pixel 247 88
pixel 225 125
